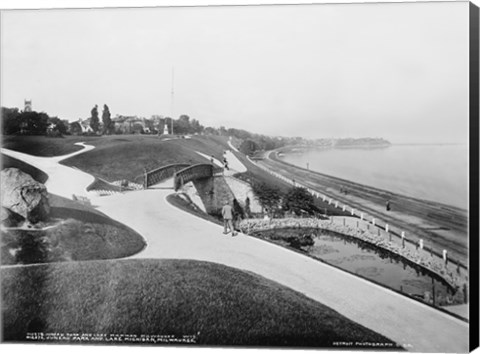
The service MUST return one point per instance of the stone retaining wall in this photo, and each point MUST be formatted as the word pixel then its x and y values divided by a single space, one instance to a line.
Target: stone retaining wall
pixel 213 191
pixel 433 264
pixel 242 190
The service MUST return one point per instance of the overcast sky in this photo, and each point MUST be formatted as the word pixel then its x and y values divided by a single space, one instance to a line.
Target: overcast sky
pixel 398 71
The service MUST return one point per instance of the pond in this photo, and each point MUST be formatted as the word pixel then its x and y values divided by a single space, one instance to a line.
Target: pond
pixel 365 260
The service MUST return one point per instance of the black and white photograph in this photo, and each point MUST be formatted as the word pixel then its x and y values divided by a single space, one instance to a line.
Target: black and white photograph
pixel 244 176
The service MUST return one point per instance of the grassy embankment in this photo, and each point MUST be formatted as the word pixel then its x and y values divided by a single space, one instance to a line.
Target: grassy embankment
pixel 120 156
pixel 225 306
pixel 126 156
pixel 74 232
pixel 8 162
pixel 42 145
pixel 218 304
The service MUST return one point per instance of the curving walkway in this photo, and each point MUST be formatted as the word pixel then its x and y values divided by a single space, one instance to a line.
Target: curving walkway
pixel 172 233
pixel 62 180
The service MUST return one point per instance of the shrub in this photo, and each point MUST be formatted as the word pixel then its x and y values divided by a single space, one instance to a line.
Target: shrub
pixel 299 201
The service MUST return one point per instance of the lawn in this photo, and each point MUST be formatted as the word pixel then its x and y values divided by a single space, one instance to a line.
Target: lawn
pixel 126 157
pixel 118 157
pixel 42 145
pixel 9 162
pixel 217 305
pixel 79 233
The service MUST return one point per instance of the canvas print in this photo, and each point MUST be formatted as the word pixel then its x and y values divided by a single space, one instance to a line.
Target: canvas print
pixel 271 176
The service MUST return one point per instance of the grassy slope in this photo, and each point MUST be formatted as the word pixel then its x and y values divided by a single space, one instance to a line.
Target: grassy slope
pixel 126 157
pixel 225 306
pixel 83 234
pixel 42 145
pixel 120 156
pixel 160 297
pixel 8 162
pixel 257 175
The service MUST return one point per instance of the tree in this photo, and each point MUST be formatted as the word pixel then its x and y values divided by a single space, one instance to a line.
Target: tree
pixel 94 121
pixel 108 125
pixel 267 196
pixel 248 147
pixel 182 125
pixel 34 123
pixel 59 125
pixel 10 121
pixel 222 130
pixel 196 127
pixel 299 201
pixel 211 131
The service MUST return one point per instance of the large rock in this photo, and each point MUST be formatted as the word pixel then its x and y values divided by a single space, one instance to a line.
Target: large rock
pixel 10 219
pixel 24 196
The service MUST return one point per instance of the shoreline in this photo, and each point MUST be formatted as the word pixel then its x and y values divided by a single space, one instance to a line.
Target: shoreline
pixel 147 213
pixel 440 225
pixel 281 153
pixel 432 266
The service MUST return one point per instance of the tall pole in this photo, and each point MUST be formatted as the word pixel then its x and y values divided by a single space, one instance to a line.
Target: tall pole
pixel 172 99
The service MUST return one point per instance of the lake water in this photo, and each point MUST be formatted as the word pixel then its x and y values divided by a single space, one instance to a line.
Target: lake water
pixel 433 172
pixel 370 262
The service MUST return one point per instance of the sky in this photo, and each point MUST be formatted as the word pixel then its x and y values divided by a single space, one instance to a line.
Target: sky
pixel 397 71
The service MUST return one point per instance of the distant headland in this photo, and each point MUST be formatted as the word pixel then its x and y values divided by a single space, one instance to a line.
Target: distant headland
pixel 360 142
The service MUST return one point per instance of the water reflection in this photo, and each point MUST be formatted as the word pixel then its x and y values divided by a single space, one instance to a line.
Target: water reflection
pixel 368 261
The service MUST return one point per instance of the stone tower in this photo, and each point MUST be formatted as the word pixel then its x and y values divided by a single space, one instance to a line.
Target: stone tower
pixel 28 106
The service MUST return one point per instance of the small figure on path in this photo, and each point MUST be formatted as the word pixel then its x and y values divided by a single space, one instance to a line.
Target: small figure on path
pixel 265 216
pixel 238 214
pixel 227 214
pixel 212 160
pixel 247 208
pixel 388 205
pixel 225 162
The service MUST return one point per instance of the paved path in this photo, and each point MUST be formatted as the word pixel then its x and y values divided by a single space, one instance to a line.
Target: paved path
pixel 172 233
pixel 62 180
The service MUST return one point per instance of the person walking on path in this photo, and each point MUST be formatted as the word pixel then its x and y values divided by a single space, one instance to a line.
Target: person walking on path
pixel 388 205
pixel 227 214
pixel 238 214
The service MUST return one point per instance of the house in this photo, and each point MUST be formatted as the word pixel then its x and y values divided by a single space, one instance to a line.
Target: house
pixel 80 127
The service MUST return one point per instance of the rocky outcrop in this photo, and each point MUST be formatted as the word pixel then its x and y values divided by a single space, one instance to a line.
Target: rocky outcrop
pixel 24 196
pixel 9 218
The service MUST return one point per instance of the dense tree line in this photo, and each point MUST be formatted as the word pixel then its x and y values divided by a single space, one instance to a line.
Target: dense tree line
pixel 297 200
pixel 34 123
pixel 185 125
pixel 31 123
